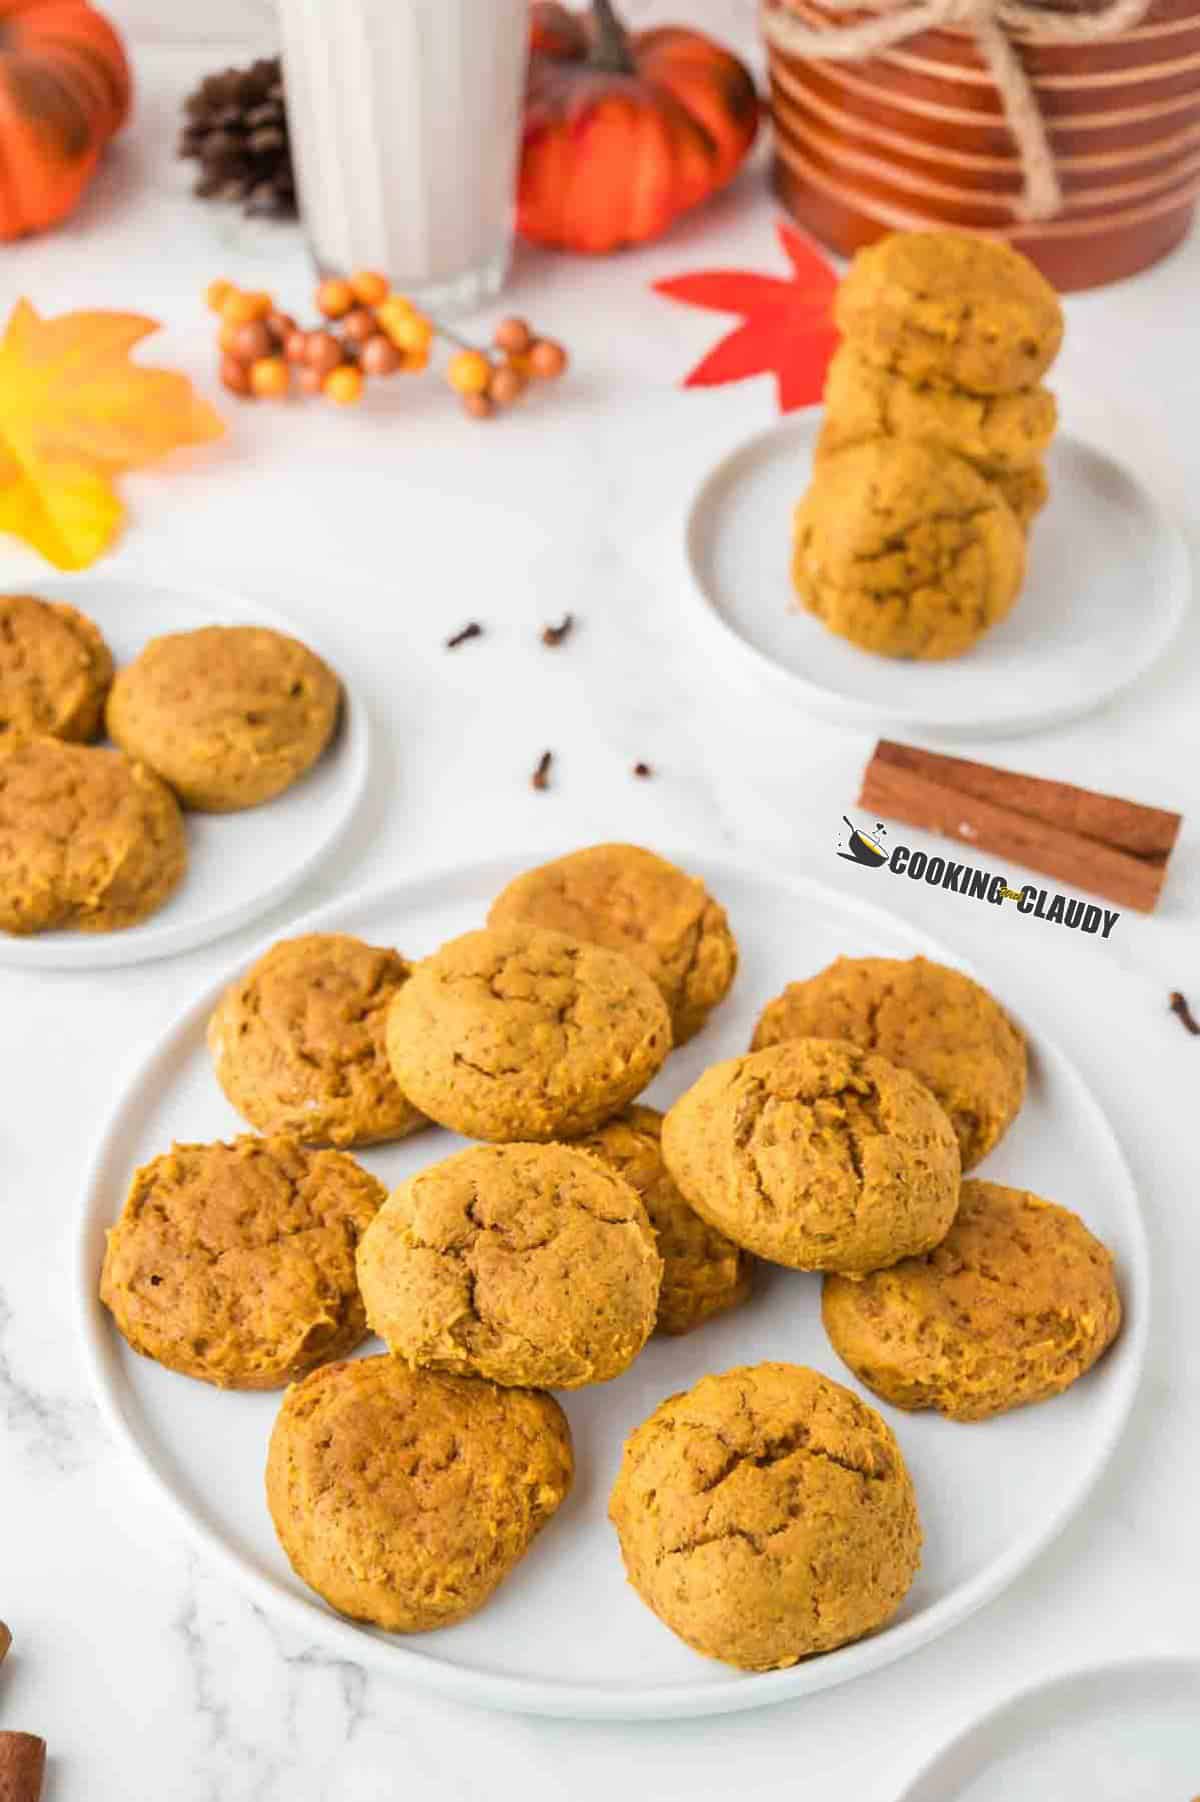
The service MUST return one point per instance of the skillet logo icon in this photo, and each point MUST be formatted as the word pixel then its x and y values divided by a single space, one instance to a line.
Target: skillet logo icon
pixel 866 849
pixel 863 849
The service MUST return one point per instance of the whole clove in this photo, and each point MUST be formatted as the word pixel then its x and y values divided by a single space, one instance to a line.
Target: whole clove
pixel 541 775
pixel 1184 1014
pixel 554 635
pixel 472 629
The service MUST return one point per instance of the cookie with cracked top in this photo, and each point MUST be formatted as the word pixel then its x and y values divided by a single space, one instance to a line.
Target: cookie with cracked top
pixel 406 1497
pixel 297 1042
pixel 55 670
pixel 816 1155
pixel 765 1515
pixel 1016 1304
pixel 633 901
pixel 235 1263
pixel 528 1264
pixel 515 1032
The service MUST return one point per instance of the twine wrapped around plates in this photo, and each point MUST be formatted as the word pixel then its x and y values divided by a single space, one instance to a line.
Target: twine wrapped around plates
pixel 998 27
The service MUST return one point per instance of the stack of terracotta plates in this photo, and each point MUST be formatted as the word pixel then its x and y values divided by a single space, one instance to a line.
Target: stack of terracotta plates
pixel 915 137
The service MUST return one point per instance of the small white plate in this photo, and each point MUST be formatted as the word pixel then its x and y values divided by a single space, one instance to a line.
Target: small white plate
pixel 565 1635
pixel 1127 1732
pixel 239 864
pixel 1107 589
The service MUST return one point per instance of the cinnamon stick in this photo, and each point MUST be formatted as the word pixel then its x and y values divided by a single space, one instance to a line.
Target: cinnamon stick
pixel 1096 842
pixel 22 1767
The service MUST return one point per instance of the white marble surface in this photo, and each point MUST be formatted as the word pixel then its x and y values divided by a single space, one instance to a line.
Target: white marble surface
pixel 387 528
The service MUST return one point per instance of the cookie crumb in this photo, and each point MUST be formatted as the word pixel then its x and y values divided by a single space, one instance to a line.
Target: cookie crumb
pixel 541 775
pixel 472 629
pixel 642 769
pixel 554 635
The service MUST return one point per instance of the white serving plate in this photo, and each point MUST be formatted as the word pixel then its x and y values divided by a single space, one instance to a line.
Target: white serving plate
pixel 565 1635
pixel 239 864
pixel 1127 1732
pixel 1107 589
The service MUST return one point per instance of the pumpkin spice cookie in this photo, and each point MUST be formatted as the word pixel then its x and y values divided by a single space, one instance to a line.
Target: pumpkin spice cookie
pixel 297 1042
pixel 906 550
pixel 55 670
pixel 765 1515
pixel 816 1155
pixel 514 1032
pixel 1016 1304
pixel 632 901
pixel 235 1263
pixel 532 1265
pixel 953 309
pixel 88 839
pixel 230 716
pixel 405 1497
pixel 995 432
pixel 704 1273
pixel 924 1017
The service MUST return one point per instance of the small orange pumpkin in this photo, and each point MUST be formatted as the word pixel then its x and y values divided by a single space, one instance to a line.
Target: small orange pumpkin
pixel 624 131
pixel 64 90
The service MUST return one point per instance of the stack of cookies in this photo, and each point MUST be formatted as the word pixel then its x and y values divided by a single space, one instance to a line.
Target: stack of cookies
pixel 911 539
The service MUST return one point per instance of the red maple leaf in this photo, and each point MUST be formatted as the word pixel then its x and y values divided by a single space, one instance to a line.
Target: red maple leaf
pixel 787 327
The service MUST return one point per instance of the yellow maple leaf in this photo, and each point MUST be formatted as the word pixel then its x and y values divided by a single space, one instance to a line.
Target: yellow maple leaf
pixel 74 412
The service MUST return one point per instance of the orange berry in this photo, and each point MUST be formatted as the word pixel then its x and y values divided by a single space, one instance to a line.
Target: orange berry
pixel 269 377
pixel 393 314
pixel 379 356
pixel 227 337
pixel 250 342
pixel 280 325
pixel 506 386
pixel 344 386
pixel 234 375
pixel 479 406
pixel 323 352
pixel 547 359
pixel 368 287
pixel 359 324
pixel 414 361
pixel 311 381
pixel 334 297
pixel 469 372
pixel 512 334
pixel 295 347
pixel 413 332
pixel 216 294
pixel 242 309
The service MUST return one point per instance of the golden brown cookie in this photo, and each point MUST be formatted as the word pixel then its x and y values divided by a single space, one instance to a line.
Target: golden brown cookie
pixel 765 1515
pixel 55 670
pixel 633 901
pixel 951 308
pixel 405 1497
pixel 235 1263
pixel 704 1273
pixel 297 1042
pixel 905 550
pixel 1025 490
pixel 816 1155
pixel 88 839
pixel 230 716
pixel 1017 1302
pixel 532 1265
pixel 924 1017
pixel 514 1032
pixel 995 432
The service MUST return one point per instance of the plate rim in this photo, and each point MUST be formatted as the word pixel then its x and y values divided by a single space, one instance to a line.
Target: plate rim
pixel 125 949
pixel 825 703
pixel 733 1693
pixel 1098 1671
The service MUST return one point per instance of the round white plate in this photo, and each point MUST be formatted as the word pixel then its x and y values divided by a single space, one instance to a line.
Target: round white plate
pixel 1127 1732
pixel 566 1635
pixel 1107 589
pixel 239 864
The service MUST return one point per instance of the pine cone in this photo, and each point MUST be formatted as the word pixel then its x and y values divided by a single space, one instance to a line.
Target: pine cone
pixel 235 127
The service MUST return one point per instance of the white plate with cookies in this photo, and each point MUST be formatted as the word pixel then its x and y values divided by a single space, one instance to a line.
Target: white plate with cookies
pixel 565 1633
pixel 240 863
pixel 1106 590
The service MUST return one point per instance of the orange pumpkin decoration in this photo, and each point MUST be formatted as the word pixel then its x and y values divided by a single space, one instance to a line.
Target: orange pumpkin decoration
pixel 624 131
pixel 64 90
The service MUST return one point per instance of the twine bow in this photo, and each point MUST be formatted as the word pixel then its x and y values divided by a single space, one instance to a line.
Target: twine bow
pixel 998 27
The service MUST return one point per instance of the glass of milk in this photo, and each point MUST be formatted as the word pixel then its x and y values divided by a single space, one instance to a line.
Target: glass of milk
pixel 405 125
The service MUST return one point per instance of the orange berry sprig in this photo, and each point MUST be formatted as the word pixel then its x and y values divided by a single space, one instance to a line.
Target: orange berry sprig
pixel 367 331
